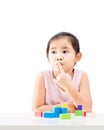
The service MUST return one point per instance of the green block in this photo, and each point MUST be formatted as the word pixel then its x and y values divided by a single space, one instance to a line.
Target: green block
pixel 78 112
pixel 65 116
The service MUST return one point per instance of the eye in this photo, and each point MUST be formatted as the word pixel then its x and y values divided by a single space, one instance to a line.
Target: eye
pixel 53 52
pixel 65 51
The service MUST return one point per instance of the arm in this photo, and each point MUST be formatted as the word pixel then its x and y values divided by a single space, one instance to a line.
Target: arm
pixel 39 97
pixel 83 96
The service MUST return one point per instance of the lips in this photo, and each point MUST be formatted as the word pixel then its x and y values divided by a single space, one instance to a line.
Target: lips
pixel 59 63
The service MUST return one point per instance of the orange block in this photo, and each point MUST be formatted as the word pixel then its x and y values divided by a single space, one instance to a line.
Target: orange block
pixel 90 114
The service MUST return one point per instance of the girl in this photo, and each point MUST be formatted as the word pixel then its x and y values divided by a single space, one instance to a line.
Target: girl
pixel 63 83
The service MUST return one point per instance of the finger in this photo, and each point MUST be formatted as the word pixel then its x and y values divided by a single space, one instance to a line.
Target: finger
pixel 61 68
pixel 55 81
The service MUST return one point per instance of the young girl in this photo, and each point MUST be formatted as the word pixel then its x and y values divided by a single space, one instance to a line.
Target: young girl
pixel 63 83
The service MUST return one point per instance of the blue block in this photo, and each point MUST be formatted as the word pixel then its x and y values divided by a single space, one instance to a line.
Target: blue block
pixel 50 115
pixel 64 110
pixel 57 110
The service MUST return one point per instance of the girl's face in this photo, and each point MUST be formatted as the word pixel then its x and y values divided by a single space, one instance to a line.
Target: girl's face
pixel 61 51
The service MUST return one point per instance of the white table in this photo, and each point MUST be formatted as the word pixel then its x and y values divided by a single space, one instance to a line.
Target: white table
pixel 27 121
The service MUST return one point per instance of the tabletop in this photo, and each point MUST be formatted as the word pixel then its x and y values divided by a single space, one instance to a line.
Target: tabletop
pixel 28 121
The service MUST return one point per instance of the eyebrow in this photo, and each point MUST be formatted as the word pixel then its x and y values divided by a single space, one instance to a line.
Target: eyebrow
pixel 52 48
pixel 65 47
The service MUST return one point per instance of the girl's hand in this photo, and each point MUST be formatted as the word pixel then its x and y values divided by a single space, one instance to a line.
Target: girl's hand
pixel 63 80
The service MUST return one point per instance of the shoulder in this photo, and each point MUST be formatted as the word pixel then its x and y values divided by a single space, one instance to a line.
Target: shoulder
pixel 82 79
pixel 40 80
pixel 81 75
pixel 41 75
pixel 85 76
pixel 80 72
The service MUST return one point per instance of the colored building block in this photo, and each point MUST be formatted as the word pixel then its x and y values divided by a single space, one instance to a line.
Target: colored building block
pixel 78 112
pixel 40 114
pixel 90 114
pixel 50 115
pixel 65 105
pixel 79 107
pixel 60 110
pixel 64 110
pixel 84 113
pixel 57 110
pixel 65 116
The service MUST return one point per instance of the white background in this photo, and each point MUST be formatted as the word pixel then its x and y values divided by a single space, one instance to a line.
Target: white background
pixel 25 28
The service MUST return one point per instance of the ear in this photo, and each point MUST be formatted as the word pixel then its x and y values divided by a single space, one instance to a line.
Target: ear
pixel 78 57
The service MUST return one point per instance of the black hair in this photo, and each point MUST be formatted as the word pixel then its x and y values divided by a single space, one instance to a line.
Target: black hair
pixel 71 37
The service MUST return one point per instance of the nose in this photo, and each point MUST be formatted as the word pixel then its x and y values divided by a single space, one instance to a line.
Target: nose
pixel 59 57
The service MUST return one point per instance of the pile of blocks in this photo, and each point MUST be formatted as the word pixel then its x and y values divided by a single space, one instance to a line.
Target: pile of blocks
pixel 62 112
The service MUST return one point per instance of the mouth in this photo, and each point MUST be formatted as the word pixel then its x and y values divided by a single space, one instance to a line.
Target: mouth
pixel 60 63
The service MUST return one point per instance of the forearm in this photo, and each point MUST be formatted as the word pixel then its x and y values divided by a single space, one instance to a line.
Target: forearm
pixel 43 108
pixel 78 99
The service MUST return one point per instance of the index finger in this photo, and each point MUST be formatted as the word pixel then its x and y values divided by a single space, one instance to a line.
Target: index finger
pixel 61 68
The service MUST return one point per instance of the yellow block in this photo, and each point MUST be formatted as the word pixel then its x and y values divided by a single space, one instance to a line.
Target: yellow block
pixel 65 105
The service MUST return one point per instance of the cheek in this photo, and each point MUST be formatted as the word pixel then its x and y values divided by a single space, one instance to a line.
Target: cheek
pixel 51 59
pixel 51 62
pixel 70 58
pixel 70 62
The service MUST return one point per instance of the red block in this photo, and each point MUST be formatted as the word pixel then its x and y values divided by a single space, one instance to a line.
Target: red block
pixel 84 113
pixel 40 114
